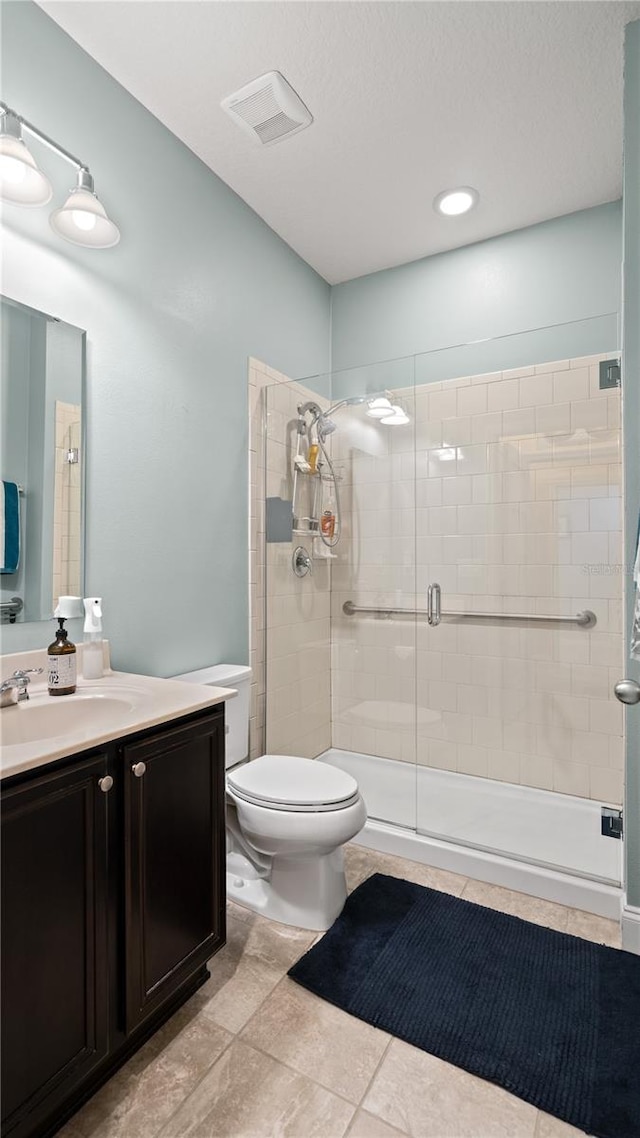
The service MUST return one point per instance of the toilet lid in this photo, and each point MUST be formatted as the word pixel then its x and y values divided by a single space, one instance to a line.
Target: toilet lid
pixel 285 782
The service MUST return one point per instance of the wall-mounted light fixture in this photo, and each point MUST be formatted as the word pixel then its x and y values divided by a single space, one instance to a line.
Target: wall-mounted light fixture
pixel 82 219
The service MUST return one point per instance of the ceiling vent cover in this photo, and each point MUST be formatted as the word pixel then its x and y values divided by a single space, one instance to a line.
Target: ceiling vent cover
pixel 268 109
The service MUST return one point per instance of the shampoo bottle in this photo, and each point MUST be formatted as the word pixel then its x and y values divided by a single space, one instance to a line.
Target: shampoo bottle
pixel 92 658
pixel 62 663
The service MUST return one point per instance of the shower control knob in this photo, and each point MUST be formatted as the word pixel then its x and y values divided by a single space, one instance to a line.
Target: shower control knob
pixel 627 691
pixel 139 769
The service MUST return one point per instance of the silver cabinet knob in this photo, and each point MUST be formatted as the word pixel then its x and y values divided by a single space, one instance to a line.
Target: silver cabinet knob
pixel 627 691
pixel 105 783
pixel 139 769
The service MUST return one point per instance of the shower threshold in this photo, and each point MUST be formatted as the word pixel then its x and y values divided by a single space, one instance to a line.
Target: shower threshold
pixel 538 842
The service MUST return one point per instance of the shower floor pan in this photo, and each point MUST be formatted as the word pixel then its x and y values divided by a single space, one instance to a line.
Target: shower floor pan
pixel 538 842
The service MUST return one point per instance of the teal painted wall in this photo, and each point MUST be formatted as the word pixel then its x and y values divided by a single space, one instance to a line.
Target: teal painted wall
pixel 198 284
pixel 631 405
pixel 561 271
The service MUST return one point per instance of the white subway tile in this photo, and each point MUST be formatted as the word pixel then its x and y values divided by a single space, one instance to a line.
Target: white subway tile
pixel 456 491
pixel 590 680
pixel 613 412
pixel 488 377
pixel 589 415
pixel 472 459
pixel 605 514
pixel 516 424
pixel 535 390
pixel 606 785
pixel 571 778
pixel 604 447
pixel 486 428
pixel 590 481
pixel 553 418
pixel 473 760
pixel 556 365
pixel 472 400
pixel 570 516
pixel 570 385
pixel 486 488
pixel 456 431
pixel 503 396
pixel 443 404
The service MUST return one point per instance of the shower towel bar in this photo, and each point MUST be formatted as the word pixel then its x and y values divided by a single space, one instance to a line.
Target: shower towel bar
pixel 585 619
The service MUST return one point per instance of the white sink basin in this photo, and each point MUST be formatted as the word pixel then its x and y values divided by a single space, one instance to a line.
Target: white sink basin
pixel 46 717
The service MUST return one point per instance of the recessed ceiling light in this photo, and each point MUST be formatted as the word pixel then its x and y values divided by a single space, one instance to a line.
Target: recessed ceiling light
pixel 451 203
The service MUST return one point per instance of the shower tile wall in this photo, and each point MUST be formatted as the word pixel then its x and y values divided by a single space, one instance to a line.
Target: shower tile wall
pixel 292 713
pixel 517 509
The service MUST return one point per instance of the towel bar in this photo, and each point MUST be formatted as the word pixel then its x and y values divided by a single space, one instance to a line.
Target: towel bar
pixel 11 608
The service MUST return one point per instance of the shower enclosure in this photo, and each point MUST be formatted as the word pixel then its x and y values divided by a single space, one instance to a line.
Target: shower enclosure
pixel 455 642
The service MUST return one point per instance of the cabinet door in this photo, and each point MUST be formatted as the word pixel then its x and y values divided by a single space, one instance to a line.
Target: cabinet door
pixel 174 860
pixel 54 902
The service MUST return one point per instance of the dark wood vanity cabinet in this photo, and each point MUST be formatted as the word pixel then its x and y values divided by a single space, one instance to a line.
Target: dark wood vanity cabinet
pixel 54 935
pixel 113 900
pixel 174 860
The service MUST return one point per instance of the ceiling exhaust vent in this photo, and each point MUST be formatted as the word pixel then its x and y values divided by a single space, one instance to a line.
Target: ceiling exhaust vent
pixel 268 109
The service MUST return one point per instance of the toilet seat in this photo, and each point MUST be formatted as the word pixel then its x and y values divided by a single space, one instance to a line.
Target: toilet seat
pixel 284 782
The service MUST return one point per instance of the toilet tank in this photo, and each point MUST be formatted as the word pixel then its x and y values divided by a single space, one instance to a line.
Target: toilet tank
pixel 236 710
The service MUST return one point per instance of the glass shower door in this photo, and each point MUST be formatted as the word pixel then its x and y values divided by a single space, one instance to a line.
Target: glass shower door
pixel 519 742
pixel 373 590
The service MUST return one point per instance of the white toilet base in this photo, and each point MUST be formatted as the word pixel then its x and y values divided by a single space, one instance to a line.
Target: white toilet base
pixel 306 892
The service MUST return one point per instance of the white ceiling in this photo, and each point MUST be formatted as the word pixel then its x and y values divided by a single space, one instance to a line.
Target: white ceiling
pixel 521 99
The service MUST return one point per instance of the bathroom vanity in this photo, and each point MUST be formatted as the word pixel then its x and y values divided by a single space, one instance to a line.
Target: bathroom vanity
pixel 113 892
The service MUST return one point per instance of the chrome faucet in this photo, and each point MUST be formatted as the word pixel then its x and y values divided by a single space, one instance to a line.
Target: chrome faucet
pixel 14 690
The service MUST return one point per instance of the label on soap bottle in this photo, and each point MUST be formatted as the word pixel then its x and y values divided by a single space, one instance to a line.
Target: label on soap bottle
pixel 62 670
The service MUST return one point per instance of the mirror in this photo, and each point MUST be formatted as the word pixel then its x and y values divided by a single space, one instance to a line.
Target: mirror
pixel 42 371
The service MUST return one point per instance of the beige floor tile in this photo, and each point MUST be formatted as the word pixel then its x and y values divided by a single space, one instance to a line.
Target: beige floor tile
pixel 69 1131
pixel 517 904
pixel 591 927
pixel 317 1039
pixel 550 1127
pixel 427 1098
pixel 360 863
pixel 256 956
pixel 368 1126
pixel 149 1088
pixel 246 1094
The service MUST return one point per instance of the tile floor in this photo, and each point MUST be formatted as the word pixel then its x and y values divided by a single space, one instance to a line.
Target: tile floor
pixel 253 1055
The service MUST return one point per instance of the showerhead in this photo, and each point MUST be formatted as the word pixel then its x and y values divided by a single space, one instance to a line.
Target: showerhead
pixel 325 425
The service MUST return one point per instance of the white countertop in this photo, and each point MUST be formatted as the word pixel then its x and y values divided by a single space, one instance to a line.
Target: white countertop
pixel 118 704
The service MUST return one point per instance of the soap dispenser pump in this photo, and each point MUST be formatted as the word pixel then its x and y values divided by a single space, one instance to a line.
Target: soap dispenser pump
pixel 92 654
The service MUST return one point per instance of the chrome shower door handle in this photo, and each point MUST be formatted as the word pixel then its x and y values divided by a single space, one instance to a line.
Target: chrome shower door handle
pixel 434 606
pixel 627 691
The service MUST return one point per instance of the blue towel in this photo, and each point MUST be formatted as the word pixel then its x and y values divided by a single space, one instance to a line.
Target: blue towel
pixel 9 527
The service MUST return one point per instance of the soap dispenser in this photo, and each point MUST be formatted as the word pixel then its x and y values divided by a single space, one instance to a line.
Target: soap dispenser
pixel 61 652
pixel 92 655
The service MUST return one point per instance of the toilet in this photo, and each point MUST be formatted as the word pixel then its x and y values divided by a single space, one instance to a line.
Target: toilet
pixel 287 820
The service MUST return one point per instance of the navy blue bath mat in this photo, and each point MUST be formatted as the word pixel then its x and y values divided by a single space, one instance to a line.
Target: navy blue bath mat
pixel 552 1018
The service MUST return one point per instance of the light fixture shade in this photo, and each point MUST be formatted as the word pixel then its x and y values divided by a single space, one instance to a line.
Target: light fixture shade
pixel 379 407
pixel 397 418
pixel 21 181
pixel 83 221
